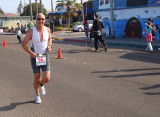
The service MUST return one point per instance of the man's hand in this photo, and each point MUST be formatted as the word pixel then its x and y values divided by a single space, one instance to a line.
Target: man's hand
pixel 49 49
pixel 33 55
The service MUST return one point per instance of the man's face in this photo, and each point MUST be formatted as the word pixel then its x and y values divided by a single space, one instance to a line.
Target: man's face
pixel 40 20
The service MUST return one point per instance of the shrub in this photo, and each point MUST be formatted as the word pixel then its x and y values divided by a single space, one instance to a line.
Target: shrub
pixel 59 28
pixel 47 25
pixel 5 28
pixel 68 29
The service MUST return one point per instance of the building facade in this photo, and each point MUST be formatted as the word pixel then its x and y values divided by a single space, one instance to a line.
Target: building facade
pixel 130 16
pixel 10 20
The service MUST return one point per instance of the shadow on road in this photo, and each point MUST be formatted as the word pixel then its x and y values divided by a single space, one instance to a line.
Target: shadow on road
pixel 128 75
pixel 126 70
pixel 131 75
pixel 14 105
pixel 151 87
pixel 144 57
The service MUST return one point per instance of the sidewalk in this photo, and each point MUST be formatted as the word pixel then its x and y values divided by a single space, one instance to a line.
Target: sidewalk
pixel 128 42
pixel 4 33
pixel 137 43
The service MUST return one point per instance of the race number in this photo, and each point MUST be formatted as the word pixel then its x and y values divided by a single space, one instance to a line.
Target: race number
pixel 40 60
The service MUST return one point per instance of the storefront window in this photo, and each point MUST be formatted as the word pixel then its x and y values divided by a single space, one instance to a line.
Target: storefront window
pixel 136 2
pixel 107 1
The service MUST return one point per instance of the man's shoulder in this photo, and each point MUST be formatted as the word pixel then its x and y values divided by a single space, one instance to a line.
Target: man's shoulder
pixel 48 29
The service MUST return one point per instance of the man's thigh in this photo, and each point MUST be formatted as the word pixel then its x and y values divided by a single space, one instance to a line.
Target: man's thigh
pixel 46 74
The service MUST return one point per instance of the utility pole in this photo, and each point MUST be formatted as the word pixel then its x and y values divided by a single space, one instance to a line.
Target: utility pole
pixel 112 19
pixel 25 10
pixel 52 9
pixel 82 10
pixel 36 6
pixel 30 10
pixel 86 8
pixel 41 9
pixel 52 5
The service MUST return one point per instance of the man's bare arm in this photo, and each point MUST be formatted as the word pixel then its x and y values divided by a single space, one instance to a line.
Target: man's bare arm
pixel 49 40
pixel 27 38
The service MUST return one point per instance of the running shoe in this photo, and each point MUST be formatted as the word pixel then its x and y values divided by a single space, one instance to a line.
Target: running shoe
pixel 37 99
pixel 105 48
pixel 43 90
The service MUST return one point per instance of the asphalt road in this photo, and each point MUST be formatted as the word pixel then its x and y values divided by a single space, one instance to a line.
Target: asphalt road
pixel 124 82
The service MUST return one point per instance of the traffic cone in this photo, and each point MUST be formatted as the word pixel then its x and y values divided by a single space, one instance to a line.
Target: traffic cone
pixel 59 54
pixel 4 43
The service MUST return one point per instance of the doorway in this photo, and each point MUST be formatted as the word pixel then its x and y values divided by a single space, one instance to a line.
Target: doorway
pixel 133 28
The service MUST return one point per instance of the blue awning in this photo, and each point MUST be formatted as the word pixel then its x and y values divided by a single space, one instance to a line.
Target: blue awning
pixel 89 10
pixel 58 12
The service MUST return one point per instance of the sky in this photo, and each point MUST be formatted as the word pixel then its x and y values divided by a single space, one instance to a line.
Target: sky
pixel 10 6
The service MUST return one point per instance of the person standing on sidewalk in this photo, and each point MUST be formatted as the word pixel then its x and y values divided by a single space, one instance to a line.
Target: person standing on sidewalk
pixel 153 27
pixel 41 44
pixel 148 31
pixel 97 27
pixel 31 25
pixel 51 26
pixel 19 33
pixel 86 28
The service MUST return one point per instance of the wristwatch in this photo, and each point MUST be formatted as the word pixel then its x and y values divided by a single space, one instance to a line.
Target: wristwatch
pixel 50 45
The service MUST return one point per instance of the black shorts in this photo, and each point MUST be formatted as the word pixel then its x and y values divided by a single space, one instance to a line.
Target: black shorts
pixel 36 69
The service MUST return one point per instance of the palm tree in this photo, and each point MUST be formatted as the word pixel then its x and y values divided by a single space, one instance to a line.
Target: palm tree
pixel 31 18
pixel 60 3
pixel 41 8
pixel 52 5
pixel 68 4
pixel 36 6
pixel 71 5
pixel 82 10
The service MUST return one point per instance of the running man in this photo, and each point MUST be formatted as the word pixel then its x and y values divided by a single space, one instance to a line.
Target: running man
pixel 41 44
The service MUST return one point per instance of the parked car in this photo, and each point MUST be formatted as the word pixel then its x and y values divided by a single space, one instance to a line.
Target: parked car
pixel 80 27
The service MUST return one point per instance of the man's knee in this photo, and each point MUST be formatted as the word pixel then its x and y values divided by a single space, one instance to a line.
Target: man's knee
pixel 47 79
pixel 37 80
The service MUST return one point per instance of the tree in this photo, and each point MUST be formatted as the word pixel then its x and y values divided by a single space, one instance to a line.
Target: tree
pixel 82 12
pixel 70 5
pixel 60 3
pixel 27 8
pixel 1 11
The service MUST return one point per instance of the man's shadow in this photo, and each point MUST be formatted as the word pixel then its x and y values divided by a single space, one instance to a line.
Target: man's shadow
pixel 13 106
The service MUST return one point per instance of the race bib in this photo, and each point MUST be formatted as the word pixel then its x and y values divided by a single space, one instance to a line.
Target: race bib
pixel 40 60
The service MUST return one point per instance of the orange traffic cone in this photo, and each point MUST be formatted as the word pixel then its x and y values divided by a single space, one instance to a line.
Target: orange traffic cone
pixel 59 54
pixel 4 43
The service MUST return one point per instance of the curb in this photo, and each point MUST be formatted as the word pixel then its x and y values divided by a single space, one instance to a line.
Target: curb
pixel 116 44
pixel 75 40
pixel 131 45
pixel 8 34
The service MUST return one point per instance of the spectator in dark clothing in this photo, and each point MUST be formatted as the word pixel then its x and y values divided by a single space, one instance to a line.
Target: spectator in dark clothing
pixel 97 27
pixel 51 26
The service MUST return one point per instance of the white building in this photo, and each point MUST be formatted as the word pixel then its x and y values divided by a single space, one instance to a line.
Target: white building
pixel 130 16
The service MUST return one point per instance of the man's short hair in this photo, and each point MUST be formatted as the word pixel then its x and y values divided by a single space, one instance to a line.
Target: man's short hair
pixel 40 14
pixel 96 15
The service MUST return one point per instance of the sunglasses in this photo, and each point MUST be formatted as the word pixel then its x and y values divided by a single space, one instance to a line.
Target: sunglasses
pixel 40 19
